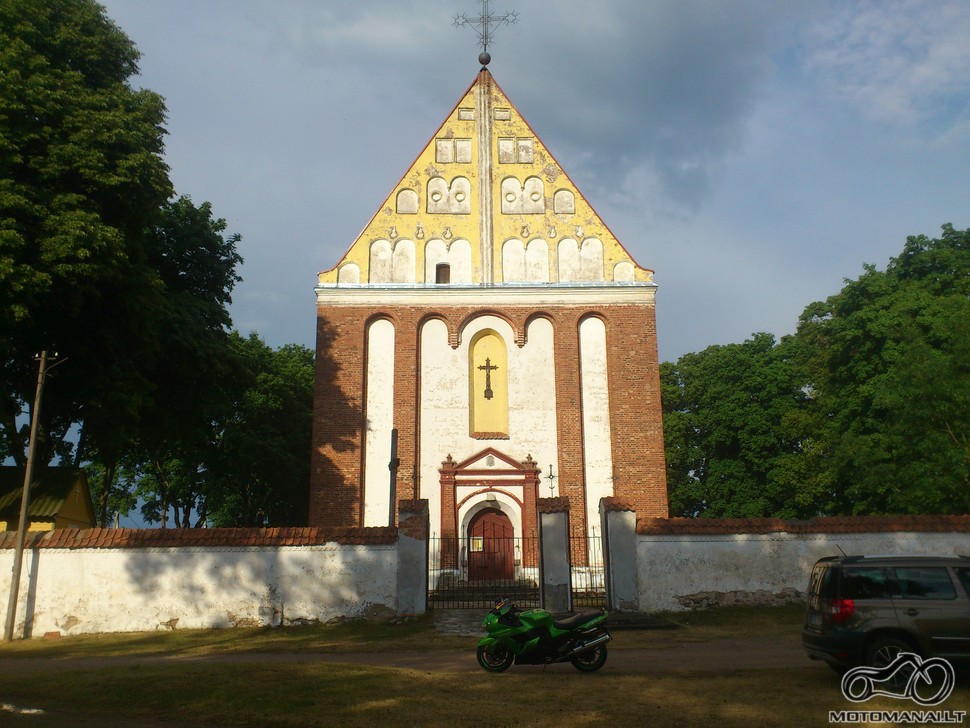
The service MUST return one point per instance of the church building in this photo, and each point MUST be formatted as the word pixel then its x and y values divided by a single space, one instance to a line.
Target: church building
pixel 484 343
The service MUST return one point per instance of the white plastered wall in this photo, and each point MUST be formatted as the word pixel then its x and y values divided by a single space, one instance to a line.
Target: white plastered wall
pixel 597 443
pixel 444 402
pixel 379 415
pixel 77 591
pixel 675 571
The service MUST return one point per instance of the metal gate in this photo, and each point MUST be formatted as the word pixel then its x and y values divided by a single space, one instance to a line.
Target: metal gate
pixel 476 571
pixel 588 575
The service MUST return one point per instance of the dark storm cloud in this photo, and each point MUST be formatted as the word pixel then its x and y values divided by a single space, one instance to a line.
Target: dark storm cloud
pixel 753 153
pixel 667 85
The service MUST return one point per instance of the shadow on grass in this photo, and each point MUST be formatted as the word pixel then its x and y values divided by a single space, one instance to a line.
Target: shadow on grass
pixel 315 694
pixel 417 634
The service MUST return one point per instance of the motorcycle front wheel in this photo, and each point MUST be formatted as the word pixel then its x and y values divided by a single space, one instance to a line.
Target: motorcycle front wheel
pixel 590 661
pixel 495 658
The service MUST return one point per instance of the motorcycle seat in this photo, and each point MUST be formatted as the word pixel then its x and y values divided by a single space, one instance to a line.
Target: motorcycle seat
pixel 576 620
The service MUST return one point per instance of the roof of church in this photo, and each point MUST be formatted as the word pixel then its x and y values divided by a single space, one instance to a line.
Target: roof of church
pixel 486 198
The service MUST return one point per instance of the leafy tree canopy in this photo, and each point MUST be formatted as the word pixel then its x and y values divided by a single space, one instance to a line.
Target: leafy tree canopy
pixel 733 420
pixel 865 410
pixel 262 465
pixel 82 181
pixel 889 364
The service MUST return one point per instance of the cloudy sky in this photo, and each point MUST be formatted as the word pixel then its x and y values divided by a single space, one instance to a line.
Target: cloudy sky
pixel 754 153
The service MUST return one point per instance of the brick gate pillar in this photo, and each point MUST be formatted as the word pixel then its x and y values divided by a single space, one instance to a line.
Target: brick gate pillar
pixel 449 516
pixel 530 523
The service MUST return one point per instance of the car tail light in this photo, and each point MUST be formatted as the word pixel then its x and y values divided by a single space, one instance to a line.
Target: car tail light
pixel 841 610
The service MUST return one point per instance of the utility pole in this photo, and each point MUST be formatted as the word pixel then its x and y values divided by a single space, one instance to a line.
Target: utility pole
pixel 25 499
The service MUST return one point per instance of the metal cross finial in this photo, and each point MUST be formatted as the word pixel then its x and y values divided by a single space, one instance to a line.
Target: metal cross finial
pixel 552 480
pixel 483 25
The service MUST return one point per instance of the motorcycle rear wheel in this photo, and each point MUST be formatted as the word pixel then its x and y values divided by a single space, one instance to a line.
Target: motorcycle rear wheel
pixel 590 661
pixel 495 658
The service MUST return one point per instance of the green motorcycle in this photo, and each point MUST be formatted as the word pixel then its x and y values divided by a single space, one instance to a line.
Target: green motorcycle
pixel 534 637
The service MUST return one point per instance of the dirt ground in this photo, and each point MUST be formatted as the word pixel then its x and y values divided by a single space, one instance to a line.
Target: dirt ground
pixel 714 655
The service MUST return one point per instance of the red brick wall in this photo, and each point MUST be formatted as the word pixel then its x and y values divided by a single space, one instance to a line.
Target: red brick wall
pixel 636 416
pixel 569 425
pixel 335 461
pixel 338 422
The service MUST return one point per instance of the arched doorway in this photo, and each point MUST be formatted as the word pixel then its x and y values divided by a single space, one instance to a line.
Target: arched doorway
pixel 491 546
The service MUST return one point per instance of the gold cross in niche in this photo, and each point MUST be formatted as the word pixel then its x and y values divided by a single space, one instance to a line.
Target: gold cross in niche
pixel 488 367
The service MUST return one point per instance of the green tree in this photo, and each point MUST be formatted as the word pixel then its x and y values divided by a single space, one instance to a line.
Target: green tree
pixel 262 465
pixel 194 378
pixel 98 264
pixel 889 366
pixel 81 182
pixel 191 380
pixel 734 420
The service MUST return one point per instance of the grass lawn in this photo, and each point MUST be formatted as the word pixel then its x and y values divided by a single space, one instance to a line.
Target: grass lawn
pixel 225 677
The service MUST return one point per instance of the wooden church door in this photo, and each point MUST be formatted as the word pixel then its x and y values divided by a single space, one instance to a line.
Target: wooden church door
pixel 491 546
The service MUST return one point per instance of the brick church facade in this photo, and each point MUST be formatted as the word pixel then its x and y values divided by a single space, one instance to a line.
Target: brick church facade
pixel 489 323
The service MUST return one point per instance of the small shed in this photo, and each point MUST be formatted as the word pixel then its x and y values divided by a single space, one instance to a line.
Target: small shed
pixel 59 498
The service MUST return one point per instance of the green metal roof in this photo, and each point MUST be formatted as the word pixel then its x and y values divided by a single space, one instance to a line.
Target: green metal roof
pixel 48 492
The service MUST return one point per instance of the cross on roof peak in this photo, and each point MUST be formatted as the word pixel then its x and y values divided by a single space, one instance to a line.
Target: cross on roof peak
pixel 485 25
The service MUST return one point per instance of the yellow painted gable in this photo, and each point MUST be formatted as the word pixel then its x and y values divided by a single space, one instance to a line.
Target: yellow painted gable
pixel 486 199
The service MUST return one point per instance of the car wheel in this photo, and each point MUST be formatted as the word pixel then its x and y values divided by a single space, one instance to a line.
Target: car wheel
pixel 883 651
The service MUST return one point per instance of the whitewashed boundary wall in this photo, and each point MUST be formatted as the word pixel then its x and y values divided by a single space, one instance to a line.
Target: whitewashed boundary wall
pixel 123 580
pixel 696 563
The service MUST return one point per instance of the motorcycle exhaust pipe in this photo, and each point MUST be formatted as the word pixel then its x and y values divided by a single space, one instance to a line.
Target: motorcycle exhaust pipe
pixel 587 646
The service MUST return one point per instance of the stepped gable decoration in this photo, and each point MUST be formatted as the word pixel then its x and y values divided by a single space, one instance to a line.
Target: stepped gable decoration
pixel 484 203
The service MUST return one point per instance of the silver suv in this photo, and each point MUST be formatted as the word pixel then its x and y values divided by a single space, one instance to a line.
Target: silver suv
pixel 867 609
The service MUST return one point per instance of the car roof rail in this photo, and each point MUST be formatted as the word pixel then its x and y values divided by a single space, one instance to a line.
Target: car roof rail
pixel 902 557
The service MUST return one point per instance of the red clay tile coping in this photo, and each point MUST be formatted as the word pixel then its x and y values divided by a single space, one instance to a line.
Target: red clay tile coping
pixel 130 538
pixel 616 503
pixel 827 524
pixel 554 505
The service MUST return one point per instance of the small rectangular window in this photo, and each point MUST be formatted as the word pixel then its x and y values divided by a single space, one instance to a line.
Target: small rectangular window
pixel 478 544
pixel 442 273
